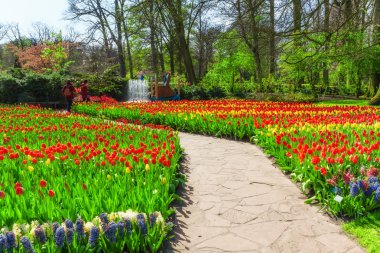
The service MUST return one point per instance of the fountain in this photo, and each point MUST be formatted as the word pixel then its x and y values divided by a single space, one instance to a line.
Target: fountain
pixel 137 90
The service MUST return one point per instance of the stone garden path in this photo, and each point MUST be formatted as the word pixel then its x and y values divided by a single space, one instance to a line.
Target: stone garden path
pixel 236 201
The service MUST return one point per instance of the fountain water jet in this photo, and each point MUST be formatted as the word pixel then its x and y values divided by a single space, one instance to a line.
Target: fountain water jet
pixel 138 90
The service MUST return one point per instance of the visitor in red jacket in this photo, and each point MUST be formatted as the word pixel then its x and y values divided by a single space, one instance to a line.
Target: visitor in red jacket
pixel 83 91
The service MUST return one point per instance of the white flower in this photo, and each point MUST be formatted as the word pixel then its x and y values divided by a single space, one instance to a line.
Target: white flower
pixel 88 226
pixel 113 216
pixel 4 230
pixel 96 220
pixel 16 230
pixel 25 228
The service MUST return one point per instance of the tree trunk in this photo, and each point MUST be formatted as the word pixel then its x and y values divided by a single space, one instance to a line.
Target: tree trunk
pixel 171 54
pixel 252 43
pixel 376 40
pixel 326 25
pixel 297 24
pixel 126 36
pixel 179 61
pixel 120 49
pixel 201 45
pixel 152 27
pixel 161 55
pixel 175 10
pixel 129 55
pixel 272 45
pixel 297 15
pixel 118 39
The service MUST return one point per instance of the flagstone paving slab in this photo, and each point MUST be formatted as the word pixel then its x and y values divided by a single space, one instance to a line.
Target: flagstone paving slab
pixel 236 200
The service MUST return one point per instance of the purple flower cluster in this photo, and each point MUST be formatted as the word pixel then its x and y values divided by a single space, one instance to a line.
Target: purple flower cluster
pixel 27 245
pixel 11 240
pixel 94 236
pixel 55 226
pixel 3 243
pixel 40 235
pixel 367 187
pixel 111 232
pixel 152 219
pixel 59 237
pixel 141 223
pixel 79 224
pixel 354 189
pixel 128 225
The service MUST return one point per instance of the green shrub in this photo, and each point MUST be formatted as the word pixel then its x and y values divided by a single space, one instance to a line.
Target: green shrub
pixel 107 83
pixel 18 86
pixel 9 88
pixel 194 92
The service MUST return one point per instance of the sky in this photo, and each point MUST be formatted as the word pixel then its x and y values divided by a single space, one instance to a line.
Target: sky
pixel 27 12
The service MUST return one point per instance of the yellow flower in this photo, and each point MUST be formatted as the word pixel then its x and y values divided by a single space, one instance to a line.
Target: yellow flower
pixel 30 157
pixel 109 177
pixel 30 168
pixel 163 180
pixel 88 226
pixel 47 162
pixel 147 167
pixel 127 170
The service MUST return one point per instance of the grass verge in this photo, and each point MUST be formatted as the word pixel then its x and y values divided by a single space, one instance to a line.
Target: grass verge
pixel 367 231
pixel 344 102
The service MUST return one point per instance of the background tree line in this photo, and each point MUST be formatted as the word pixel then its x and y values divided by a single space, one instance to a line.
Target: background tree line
pixel 221 47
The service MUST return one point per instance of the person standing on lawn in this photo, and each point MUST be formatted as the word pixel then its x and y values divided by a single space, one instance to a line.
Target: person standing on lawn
pixel 83 91
pixel 68 92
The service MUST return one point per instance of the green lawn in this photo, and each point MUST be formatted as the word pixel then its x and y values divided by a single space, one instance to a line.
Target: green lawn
pixel 367 231
pixel 344 102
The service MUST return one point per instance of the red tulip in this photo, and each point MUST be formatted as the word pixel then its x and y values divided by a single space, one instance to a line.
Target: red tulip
pixel 315 160
pixel 2 194
pixel 17 184
pixel 19 190
pixel 43 183
pixel 51 193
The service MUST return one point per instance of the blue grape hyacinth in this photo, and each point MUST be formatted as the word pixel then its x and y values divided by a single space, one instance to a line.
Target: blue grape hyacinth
pixel 111 232
pixel 40 235
pixel 11 240
pixel 377 195
pixel 94 236
pixel 55 226
pixel 121 228
pixel 103 217
pixel 361 185
pixel 3 243
pixel 69 235
pixel 354 189
pixel 59 237
pixel 373 180
pixel 69 224
pixel 141 223
pixel 27 245
pixel 79 224
pixel 128 225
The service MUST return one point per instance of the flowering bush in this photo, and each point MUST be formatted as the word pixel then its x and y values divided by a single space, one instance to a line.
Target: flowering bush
pixel 332 151
pixel 66 165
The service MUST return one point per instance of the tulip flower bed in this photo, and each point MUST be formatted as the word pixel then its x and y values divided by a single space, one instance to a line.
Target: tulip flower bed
pixel 59 168
pixel 332 151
